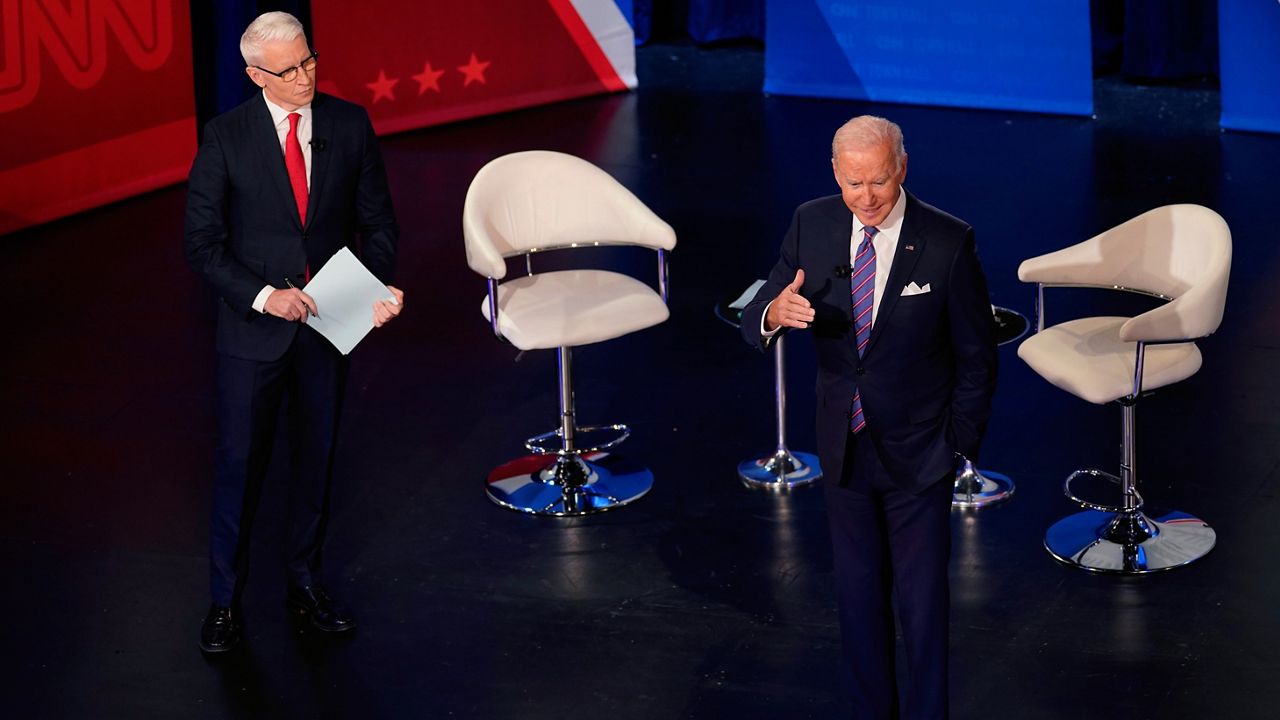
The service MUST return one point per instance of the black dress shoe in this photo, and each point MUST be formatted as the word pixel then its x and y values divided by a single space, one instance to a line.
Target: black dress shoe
pixel 313 603
pixel 220 631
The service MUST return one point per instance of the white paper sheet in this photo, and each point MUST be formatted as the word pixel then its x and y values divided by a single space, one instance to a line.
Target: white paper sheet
pixel 345 291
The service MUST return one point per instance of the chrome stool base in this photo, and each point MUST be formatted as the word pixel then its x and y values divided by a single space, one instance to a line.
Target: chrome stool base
pixel 780 471
pixel 1128 543
pixel 978 489
pixel 567 485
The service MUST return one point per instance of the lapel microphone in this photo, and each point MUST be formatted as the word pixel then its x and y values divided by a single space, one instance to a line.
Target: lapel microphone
pixel 319 145
pixel 844 271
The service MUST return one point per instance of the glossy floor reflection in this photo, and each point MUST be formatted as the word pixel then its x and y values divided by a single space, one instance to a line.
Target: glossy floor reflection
pixel 703 599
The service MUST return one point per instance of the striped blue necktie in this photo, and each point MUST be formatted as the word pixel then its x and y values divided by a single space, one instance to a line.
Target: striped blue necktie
pixel 863 281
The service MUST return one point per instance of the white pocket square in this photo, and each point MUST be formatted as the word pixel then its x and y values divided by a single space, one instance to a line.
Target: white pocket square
pixel 914 289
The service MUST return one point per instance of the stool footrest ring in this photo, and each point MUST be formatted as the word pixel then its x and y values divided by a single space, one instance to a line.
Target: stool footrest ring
pixel 588 439
pixel 1094 472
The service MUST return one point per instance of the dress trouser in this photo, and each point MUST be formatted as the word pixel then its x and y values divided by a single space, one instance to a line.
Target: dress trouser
pixel 311 375
pixel 888 542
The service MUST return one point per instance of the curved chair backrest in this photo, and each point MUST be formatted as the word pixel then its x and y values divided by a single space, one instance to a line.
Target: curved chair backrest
pixel 543 200
pixel 1179 251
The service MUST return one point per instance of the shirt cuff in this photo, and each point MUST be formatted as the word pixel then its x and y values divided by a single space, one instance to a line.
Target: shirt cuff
pixel 766 334
pixel 260 302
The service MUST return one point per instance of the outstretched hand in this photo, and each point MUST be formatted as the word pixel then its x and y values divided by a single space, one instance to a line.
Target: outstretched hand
pixel 790 308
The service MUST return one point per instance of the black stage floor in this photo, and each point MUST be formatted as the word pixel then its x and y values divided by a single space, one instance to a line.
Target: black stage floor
pixel 704 599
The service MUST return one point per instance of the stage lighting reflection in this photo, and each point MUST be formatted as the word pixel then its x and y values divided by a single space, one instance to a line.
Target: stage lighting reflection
pixel 575 557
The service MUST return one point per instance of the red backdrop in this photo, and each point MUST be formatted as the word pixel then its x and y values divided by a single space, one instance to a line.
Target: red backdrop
pixel 422 63
pixel 96 103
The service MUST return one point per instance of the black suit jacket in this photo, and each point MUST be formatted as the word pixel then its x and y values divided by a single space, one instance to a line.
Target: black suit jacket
pixel 928 373
pixel 242 226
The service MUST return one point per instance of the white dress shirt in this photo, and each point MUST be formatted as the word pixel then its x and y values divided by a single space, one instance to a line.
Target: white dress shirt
pixel 280 117
pixel 886 244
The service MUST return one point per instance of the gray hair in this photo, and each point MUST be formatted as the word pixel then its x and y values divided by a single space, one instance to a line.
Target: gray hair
pixel 268 27
pixel 866 131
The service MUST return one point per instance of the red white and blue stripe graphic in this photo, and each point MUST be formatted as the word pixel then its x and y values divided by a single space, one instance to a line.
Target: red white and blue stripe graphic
pixel 614 480
pixel 604 37
pixel 449 60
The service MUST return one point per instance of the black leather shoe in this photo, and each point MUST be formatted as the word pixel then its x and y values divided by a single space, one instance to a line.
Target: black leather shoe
pixel 220 631
pixel 313 603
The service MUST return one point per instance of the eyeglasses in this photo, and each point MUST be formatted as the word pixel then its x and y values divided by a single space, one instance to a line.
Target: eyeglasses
pixel 291 74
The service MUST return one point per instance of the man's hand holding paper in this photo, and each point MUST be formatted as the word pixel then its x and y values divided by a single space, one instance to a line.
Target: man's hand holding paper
pixel 343 291
pixel 384 311
pixel 290 304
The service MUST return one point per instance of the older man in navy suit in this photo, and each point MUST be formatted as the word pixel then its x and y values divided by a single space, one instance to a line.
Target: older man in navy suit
pixel 279 185
pixel 897 301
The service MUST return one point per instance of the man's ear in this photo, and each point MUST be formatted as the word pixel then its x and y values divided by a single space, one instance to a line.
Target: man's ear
pixel 256 76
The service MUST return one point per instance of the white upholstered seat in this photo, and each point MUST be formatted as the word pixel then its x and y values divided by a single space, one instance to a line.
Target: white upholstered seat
pixel 1180 252
pixel 1087 358
pixel 574 307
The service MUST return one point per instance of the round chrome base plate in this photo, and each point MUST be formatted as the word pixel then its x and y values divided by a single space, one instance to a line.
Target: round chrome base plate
pixel 980 488
pixel 600 482
pixel 782 470
pixel 1128 544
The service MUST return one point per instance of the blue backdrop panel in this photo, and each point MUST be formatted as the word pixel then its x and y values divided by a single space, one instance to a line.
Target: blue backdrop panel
pixel 1250 64
pixel 714 20
pixel 1004 54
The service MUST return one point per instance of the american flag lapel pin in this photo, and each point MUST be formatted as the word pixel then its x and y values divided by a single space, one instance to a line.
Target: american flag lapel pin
pixel 911 247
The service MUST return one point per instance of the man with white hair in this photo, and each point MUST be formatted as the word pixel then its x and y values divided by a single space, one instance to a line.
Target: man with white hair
pixel 279 185
pixel 905 340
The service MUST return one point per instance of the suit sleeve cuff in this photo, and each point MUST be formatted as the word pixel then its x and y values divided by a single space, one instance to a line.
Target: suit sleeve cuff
pixel 260 302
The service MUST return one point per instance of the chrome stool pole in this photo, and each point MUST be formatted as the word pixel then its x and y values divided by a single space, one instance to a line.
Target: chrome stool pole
pixel 976 489
pixel 783 469
pixel 581 479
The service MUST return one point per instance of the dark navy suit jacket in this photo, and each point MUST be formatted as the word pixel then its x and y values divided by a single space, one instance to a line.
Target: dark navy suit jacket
pixel 928 373
pixel 242 226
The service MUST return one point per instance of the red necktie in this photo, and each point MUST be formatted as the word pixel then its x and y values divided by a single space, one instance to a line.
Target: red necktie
pixel 297 167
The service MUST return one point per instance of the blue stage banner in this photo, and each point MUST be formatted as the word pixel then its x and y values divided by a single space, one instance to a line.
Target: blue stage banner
pixel 1249 64
pixel 1001 54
